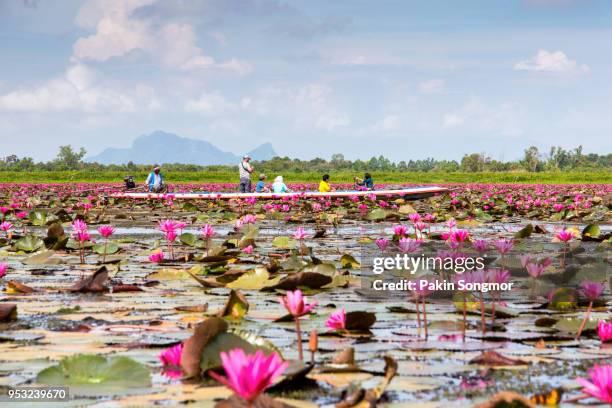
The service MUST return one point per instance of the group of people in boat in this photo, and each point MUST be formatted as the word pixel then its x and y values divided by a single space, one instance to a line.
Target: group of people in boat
pixel 155 181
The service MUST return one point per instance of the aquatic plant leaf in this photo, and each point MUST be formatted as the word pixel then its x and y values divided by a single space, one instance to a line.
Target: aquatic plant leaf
pixel 42 258
pixel 29 243
pixel 95 283
pixel 188 238
pixel 591 231
pixel 8 312
pixel 108 249
pixel 94 371
pixel 236 306
pixel 284 242
pixel 348 261
pixel 255 279
pixel 312 280
pixel 524 232
pixel 360 321
pixel 377 214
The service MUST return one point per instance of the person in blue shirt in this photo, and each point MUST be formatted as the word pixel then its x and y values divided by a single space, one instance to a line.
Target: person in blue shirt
pixel 279 185
pixel 155 181
pixel 260 187
pixel 367 181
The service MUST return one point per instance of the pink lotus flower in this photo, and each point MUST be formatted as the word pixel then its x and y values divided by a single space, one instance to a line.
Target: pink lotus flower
pixel 480 245
pixel 535 270
pixel 3 269
pixel 525 259
pixel 565 235
pixel 21 215
pixel 249 219
pixel 297 304
pixel 6 226
pixel 400 230
pixel 415 217
pixel 429 217
pixel 156 257
pixel 106 230
pixel 592 290
pixel 248 375
pixel 4 210
pixel 171 361
pixel 382 243
pixel 600 386
pixel 604 330
pixel 248 249
pixel 207 231
pixel 79 231
pixel 459 235
pixel 504 246
pixel 558 207
pixel 419 225
pixel 498 276
pixel 409 245
pixel 451 223
pixel 337 320
pixel 299 233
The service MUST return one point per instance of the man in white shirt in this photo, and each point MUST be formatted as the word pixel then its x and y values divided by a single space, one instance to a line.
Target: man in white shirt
pixel 155 181
pixel 245 170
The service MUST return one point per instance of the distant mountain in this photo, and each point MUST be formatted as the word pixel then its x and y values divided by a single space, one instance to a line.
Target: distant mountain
pixel 161 147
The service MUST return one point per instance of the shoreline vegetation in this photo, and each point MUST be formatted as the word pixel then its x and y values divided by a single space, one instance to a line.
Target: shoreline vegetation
pixel 228 175
pixel 559 166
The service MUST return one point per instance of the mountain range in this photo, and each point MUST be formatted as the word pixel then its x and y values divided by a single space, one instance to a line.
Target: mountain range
pixel 162 147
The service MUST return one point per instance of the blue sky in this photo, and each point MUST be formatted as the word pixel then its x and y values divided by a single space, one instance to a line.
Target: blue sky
pixel 405 79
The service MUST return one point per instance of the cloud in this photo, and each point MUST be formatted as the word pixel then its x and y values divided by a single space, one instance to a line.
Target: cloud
pixel 215 104
pixel 120 30
pixel 433 86
pixel 546 61
pixel 477 116
pixel 79 90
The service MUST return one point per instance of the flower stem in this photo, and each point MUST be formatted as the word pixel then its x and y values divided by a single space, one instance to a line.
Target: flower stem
pixel 464 326
pixel 299 338
pixel 584 321
pixel 425 319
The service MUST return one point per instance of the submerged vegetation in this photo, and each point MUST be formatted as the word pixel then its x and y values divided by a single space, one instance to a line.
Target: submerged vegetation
pixel 264 303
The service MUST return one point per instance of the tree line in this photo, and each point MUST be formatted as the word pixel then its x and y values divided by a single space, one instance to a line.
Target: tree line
pixel 556 159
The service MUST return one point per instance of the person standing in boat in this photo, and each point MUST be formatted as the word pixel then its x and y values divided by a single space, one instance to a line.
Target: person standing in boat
pixel 155 181
pixel 245 169
pixel 367 182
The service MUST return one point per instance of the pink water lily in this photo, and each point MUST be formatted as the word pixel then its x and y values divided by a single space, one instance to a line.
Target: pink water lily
pixel 207 231
pixel 300 233
pixel 337 320
pixel 480 245
pixel 248 249
pixel 81 235
pixel 156 257
pixel 414 217
pixel 409 245
pixel 3 269
pixel 604 331
pixel 400 230
pixel 564 235
pixel 297 305
pixel 106 230
pixel 168 227
pixel 382 243
pixel 248 375
pixel 171 361
pixel 6 226
pixel 504 245
pixel 600 386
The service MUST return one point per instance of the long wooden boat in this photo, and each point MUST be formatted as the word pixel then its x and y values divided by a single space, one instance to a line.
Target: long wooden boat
pixel 412 193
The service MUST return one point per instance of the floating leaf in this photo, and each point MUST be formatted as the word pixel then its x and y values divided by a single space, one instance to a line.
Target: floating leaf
pixel 106 249
pixel 284 242
pixel 91 374
pixel 524 232
pixel 377 214
pixel 236 306
pixel 42 258
pixel 255 279
pixel 348 261
pixel 29 243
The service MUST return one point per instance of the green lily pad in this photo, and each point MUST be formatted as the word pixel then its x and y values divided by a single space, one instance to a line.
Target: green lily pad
pixel 89 374
pixel 284 242
pixel 29 243
pixel 109 249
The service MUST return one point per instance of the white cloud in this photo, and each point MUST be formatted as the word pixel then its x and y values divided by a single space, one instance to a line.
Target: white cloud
pixel 79 90
pixel 213 104
pixel 389 123
pixel 118 32
pixel 330 123
pixel 477 116
pixel 432 86
pixel 546 61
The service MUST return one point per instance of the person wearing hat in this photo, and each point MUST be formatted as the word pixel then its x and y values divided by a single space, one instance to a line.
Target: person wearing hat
pixel 155 181
pixel 245 170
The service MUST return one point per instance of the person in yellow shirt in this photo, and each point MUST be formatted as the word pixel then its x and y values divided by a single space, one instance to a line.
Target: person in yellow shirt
pixel 324 186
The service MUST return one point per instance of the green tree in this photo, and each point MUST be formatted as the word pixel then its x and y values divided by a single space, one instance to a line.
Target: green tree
pixel 531 159
pixel 69 159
